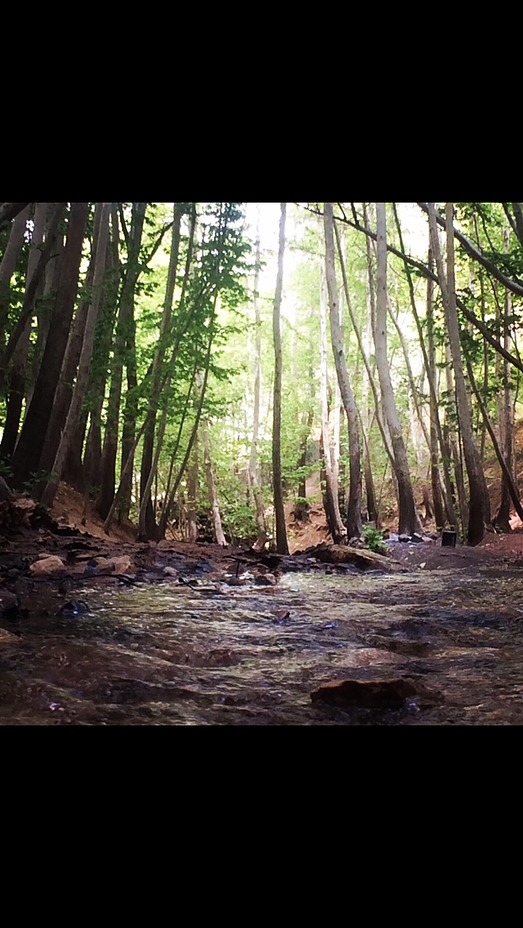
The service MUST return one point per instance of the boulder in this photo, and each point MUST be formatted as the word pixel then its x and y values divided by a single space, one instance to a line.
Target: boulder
pixel 47 564
pixel 373 694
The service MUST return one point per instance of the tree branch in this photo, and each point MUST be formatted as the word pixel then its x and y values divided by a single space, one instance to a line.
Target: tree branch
pixel 514 286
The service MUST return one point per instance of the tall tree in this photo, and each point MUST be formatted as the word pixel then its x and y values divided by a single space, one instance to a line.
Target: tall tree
pixel 82 376
pixel 26 458
pixel 408 518
pixel 211 487
pixel 148 526
pixel 124 324
pixel 282 546
pixel 331 495
pixel 17 374
pixel 253 466
pixel 479 507
pixel 354 524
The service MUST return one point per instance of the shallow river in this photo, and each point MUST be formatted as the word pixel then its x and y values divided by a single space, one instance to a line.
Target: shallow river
pixel 169 654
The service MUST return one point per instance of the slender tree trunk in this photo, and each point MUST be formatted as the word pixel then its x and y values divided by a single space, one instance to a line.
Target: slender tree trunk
pixel 26 458
pixel 17 375
pixel 149 529
pixel 479 507
pixel 211 487
pixel 354 524
pixel 282 546
pixel 85 360
pixel 31 291
pixel 8 265
pixel 10 211
pixel 439 514
pixel 192 493
pixel 65 388
pixel 44 304
pixel 254 472
pixel 331 495
pixel 409 521
pixel 370 378
pixel 123 326
pixel 509 490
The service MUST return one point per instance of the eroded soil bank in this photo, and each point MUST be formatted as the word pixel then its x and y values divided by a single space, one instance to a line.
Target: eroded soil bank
pixel 205 636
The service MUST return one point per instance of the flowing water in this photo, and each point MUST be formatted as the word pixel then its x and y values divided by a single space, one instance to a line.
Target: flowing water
pixel 214 654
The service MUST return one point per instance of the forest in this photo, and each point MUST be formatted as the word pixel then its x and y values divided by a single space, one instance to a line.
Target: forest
pixel 217 371
pixel 260 463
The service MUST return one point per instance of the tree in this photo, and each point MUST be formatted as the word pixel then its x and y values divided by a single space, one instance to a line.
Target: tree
pixel 26 458
pixel 282 546
pixel 85 359
pixel 331 496
pixel 124 326
pixel 408 517
pixel 479 507
pixel 354 524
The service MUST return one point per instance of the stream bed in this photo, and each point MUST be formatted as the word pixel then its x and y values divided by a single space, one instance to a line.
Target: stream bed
pixel 172 653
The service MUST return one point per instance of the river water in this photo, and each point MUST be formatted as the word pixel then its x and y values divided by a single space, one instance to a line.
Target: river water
pixel 217 654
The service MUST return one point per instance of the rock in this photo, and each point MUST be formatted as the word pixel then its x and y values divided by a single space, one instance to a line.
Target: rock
pixel 404 538
pixel 8 602
pixel 112 565
pixel 75 607
pixel 122 564
pixel 170 572
pixel 49 564
pixel 416 538
pixel 265 580
pixel 374 694
pixel 8 637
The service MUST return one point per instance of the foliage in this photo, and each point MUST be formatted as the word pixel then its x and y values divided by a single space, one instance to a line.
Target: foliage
pixel 373 539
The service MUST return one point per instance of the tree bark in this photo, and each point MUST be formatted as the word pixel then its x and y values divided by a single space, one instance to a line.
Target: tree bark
pixel 26 458
pixel 254 471
pixel 409 521
pixel 331 495
pixel 17 373
pixel 10 211
pixel 282 546
pixel 8 265
pixel 85 360
pixel 354 524
pixel 148 527
pixel 123 326
pixel 479 508
pixel 211 487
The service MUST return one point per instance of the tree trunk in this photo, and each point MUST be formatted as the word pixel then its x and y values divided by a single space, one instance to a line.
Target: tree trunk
pixel 17 375
pixel 439 514
pixel 8 265
pixel 331 495
pixel 65 388
pixel 26 458
pixel 409 521
pixel 254 471
pixel 282 546
pixel 148 526
pixel 10 211
pixel 211 487
pixel 85 359
pixel 354 525
pixel 479 507
pixel 192 493
pixel 123 326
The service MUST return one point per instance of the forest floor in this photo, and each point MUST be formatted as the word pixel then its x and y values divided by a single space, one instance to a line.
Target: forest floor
pixel 117 632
